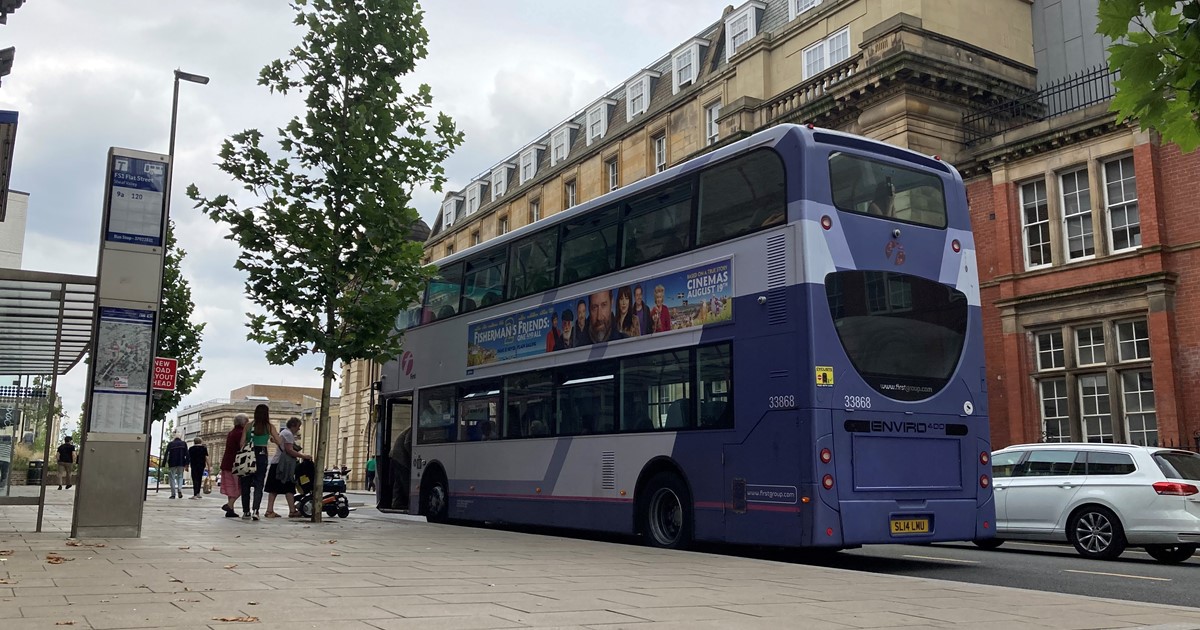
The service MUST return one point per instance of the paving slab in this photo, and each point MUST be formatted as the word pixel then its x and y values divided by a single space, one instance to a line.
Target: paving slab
pixel 376 571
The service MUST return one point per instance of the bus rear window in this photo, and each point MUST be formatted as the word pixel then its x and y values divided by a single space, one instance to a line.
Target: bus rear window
pixel 902 333
pixel 864 186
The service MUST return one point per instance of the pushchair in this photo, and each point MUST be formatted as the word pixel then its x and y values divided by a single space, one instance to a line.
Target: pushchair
pixel 334 502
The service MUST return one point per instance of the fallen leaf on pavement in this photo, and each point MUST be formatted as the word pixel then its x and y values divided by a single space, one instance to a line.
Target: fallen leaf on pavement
pixel 231 566
pixel 237 619
pixel 65 623
pixel 177 580
pixel 331 541
pixel 6 552
pixel 251 603
pixel 54 558
pixel 5 581
pixel 74 543
pixel 334 553
pixel 184 548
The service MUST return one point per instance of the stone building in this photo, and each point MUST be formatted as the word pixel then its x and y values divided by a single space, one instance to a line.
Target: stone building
pixel 1083 243
pixel 216 417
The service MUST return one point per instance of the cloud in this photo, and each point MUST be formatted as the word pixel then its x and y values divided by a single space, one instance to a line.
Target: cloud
pixel 96 74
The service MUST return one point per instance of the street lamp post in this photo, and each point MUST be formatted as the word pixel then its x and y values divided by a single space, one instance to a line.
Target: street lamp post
pixel 202 80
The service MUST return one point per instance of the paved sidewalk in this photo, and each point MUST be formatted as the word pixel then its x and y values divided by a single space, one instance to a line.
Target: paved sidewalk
pixel 382 572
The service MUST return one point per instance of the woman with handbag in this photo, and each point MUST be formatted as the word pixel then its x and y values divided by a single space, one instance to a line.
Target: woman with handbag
pixel 257 435
pixel 231 486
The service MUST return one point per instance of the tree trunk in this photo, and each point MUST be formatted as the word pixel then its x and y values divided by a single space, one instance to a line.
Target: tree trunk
pixel 322 439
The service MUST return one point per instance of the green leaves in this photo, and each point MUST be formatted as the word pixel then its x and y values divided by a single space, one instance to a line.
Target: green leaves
pixel 323 219
pixel 1157 56
pixel 178 337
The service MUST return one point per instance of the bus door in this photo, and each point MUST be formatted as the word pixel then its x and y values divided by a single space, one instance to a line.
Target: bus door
pixel 393 467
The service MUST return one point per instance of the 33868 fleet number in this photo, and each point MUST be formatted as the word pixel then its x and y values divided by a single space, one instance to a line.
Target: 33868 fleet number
pixel 781 402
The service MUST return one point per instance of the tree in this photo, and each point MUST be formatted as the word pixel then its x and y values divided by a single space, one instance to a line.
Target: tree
pixel 178 337
pixel 1158 57
pixel 326 246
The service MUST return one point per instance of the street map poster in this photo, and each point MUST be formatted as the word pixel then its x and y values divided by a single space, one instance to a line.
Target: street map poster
pixel 135 214
pixel 676 301
pixel 121 376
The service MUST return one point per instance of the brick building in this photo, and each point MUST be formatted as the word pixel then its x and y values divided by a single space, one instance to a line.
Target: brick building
pixel 1082 234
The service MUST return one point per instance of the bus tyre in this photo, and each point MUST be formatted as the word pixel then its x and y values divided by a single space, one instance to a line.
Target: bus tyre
pixel 435 498
pixel 1096 533
pixel 1171 554
pixel 667 512
pixel 988 543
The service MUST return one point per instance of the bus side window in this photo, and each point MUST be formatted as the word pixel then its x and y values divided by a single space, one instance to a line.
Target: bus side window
pixel 715 373
pixel 656 391
pixel 589 246
pixel 484 281
pixel 657 224
pixel 528 400
pixel 435 420
pixel 741 196
pixel 531 264
pixel 442 296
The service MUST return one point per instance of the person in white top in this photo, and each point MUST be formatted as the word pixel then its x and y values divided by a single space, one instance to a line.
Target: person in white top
pixel 281 475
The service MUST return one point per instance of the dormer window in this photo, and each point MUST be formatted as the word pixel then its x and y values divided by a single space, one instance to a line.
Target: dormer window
pixel 560 142
pixel 685 63
pixel 597 119
pixel 475 195
pixel 529 161
pixel 796 7
pixel 637 93
pixel 500 180
pixel 741 26
pixel 451 208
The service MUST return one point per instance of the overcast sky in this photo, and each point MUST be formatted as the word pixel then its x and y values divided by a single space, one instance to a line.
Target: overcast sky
pixel 92 74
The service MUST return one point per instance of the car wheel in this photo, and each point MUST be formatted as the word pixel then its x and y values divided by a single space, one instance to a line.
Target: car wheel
pixel 988 543
pixel 1171 554
pixel 1096 533
pixel 667 513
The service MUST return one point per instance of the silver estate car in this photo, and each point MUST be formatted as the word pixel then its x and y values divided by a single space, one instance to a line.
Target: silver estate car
pixel 1099 497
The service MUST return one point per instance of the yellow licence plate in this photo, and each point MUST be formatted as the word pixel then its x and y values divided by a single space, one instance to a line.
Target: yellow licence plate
pixel 904 526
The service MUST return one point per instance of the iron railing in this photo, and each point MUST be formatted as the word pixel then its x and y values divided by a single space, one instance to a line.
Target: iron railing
pixel 1066 95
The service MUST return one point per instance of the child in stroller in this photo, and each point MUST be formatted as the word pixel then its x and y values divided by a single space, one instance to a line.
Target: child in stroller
pixel 334 502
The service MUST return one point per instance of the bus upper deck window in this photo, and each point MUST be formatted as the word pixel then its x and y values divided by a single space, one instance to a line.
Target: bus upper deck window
pixel 866 186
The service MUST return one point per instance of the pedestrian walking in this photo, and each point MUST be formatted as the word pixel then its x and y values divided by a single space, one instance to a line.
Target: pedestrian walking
pixel 198 464
pixel 259 434
pixel 281 475
pixel 230 484
pixel 177 460
pixel 371 473
pixel 66 461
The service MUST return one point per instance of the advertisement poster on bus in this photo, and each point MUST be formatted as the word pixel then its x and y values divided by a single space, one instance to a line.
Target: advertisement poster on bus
pixel 676 301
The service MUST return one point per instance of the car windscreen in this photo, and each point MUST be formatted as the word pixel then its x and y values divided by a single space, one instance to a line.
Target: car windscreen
pixel 1179 464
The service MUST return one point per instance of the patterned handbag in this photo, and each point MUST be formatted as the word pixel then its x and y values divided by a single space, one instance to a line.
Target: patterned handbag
pixel 244 463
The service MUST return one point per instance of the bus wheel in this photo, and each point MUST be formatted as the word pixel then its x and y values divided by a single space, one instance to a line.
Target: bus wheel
pixel 667 513
pixel 435 498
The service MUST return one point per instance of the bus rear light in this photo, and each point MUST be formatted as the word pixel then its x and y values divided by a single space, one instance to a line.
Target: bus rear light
pixel 984 481
pixel 956 246
pixel 938 158
pixel 811 126
pixel 828 531
pixel 826 222
pixel 984 458
pixel 826 456
pixel 987 525
pixel 827 482
pixel 1175 489
pixel 805 499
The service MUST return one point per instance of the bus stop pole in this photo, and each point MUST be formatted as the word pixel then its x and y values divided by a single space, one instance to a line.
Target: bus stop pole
pixel 62 298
